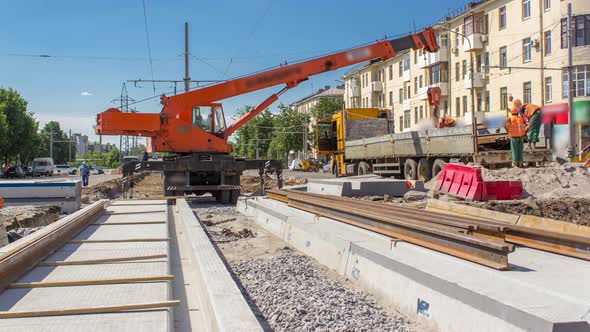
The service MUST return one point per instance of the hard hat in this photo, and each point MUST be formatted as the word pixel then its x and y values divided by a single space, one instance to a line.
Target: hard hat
pixel 517 103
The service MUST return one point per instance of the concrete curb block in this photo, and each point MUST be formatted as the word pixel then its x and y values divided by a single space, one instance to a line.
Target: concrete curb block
pixel 446 293
pixel 223 304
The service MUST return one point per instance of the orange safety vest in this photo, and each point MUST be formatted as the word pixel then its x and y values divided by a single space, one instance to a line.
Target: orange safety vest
pixel 516 126
pixel 530 110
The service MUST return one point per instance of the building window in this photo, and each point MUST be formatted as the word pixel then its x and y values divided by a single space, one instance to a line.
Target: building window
pixel 401 95
pixel 487 62
pixel 464 65
pixel 439 73
pixel 504 98
pixel 407 122
pixel 464 105
pixel 401 68
pixel 421 80
pixel 407 63
pixel 581 30
pixel 547 4
pixel 409 91
pixel 457 107
pixel 527 53
pixel 547 42
pixel 456 37
pixel 421 112
pixel 415 115
pixel 503 57
pixel 457 71
pixel 473 24
pixel 415 84
pixel 390 98
pixel 444 40
pixel 390 72
pixel 401 123
pixel 527 92
pixel 548 89
pixel 445 107
pixel 480 102
pixel 415 57
pixel 487 101
pixel 581 88
pixel 502 15
pixel 526 9
pixel 478 63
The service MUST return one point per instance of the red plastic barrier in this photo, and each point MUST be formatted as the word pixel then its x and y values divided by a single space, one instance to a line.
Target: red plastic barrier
pixel 467 183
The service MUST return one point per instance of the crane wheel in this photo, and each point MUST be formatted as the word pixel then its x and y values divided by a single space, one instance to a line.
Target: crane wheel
pixel 411 169
pixel 424 170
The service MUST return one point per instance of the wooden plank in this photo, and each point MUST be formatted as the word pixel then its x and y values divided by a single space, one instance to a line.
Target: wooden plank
pixel 90 282
pixel 122 240
pixel 553 225
pixel 127 223
pixel 89 310
pixel 461 209
pixel 110 213
pixel 101 261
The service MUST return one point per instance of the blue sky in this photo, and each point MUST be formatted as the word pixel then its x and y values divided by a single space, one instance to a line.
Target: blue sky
pixel 98 45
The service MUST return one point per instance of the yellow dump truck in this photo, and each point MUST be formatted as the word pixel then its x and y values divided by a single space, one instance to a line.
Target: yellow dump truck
pixel 359 141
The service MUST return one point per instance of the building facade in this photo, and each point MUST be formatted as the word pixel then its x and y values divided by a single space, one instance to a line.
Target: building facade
pixel 490 51
pixel 81 144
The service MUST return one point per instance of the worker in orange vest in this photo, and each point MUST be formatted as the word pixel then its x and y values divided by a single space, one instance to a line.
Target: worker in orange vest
pixel 532 115
pixel 516 129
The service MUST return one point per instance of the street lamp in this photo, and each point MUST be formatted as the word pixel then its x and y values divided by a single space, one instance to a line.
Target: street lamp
pixel 471 75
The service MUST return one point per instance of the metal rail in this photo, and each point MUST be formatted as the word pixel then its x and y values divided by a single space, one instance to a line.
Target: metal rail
pixel 559 243
pixel 448 237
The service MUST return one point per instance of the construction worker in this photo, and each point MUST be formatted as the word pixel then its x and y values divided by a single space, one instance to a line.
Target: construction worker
pixel 85 173
pixel 532 116
pixel 516 129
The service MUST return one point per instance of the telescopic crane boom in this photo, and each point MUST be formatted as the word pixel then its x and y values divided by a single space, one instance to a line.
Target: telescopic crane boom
pixel 193 122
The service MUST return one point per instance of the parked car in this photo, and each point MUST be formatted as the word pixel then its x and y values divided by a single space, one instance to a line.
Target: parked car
pixel 96 170
pixel 43 166
pixel 14 172
pixel 28 171
pixel 64 169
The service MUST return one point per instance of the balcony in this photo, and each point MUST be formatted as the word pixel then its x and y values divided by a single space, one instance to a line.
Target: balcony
pixel 407 105
pixel 429 59
pixel 474 43
pixel 478 81
pixel 423 61
pixel 422 93
pixel 377 86
pixel 406 75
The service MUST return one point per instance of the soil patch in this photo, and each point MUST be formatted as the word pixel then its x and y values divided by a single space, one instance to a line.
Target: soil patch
pixel 108 189
pixel 27 216
pixel 251 183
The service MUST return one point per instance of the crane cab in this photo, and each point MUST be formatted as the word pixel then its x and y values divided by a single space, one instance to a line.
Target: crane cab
pixel 209 118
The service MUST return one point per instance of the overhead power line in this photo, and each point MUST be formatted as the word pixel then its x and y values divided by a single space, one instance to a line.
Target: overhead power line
pixel 147 37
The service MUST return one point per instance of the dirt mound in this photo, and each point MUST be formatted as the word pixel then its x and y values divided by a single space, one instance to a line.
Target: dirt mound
pixel 108 189
pixel 251 183
pixel 546 182
pixel 28 216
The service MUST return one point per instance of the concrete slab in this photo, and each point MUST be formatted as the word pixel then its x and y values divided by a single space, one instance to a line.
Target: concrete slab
pixel 363 186
pixel 542 292
pixel 63 193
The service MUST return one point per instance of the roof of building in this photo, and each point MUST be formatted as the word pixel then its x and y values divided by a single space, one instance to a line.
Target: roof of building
pixel 330 92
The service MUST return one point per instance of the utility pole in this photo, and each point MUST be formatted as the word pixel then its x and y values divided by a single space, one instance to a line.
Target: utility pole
pixel 187 79
pixel 570 79
pixel 51 142
pixel 305 135
pixel 70 146
pixel 124 101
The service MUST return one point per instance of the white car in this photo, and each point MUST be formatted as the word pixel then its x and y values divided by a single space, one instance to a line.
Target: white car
pixel 64 170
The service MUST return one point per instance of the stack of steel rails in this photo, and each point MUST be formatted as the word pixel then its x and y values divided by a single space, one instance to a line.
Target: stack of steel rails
pixel 478 240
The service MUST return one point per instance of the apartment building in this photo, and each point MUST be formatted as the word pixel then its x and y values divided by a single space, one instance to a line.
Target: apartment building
pixel 514 48
pixel 305 104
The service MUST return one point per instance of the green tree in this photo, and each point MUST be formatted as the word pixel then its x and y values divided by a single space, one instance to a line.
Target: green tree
pixel 256 134
pixel 18 128
pixel 61 154
pixel 288 132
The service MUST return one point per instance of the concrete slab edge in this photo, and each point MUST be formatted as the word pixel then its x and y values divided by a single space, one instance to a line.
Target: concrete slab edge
pixel 225 307
pixel 398 284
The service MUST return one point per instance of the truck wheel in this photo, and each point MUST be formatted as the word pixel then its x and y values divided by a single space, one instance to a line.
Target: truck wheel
pixel 437 167
pixel 363 168
pixel 424 170
pixel 411 169
pixel 234 194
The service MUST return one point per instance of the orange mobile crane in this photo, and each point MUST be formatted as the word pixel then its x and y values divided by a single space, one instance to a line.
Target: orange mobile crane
pixel 192 125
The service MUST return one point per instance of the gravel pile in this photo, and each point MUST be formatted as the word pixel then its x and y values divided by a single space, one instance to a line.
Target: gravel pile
pixel 294 295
